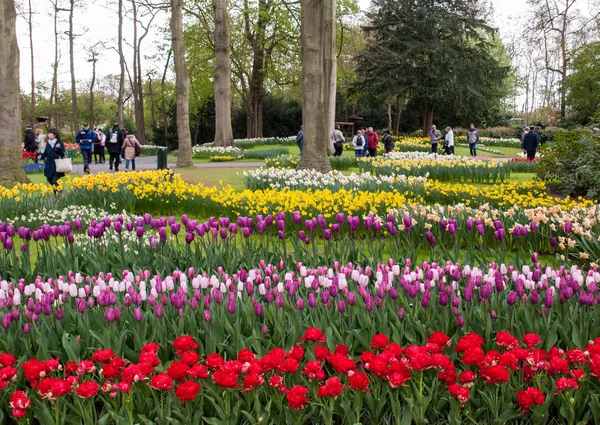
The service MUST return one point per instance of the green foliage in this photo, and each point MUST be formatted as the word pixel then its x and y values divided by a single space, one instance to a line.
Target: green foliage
pixel 573 162
pixel 584 84
pixel 440 53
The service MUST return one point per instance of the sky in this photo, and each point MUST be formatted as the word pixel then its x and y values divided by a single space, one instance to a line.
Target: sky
pixel 98 22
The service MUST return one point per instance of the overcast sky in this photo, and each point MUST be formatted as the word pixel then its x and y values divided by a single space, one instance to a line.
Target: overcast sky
pixel 99 23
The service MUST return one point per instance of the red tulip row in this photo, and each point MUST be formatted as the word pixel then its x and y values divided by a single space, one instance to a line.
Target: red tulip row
pixel 291 371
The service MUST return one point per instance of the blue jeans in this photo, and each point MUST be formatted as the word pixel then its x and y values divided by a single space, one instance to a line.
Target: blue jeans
pixel 127 161
pixel 473 149
pixel 358 152
pixel 300 146
pixel 365 151
pixel 87 158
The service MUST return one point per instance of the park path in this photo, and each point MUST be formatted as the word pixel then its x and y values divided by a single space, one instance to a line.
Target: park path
pixel 149 163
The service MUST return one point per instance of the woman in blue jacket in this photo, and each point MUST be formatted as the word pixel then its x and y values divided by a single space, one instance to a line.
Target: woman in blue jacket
pixel 55 149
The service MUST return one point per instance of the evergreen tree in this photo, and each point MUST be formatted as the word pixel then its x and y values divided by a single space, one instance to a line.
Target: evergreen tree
pixel 435 52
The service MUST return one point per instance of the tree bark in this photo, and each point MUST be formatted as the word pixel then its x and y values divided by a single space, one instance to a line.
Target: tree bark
pixel 72 61
pixel 121 97
pixel 318 82
pixel 427 119
pixel 11 168
pixel 389 116
pixel 33 120
pixel 222 83
pixel 164 102
pixel 182 87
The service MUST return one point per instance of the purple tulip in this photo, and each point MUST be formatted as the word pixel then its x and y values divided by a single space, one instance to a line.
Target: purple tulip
pixel 159 311
pixel 460 321
pixel 568 227
pixel 137 314
pixel 469 224
pixel 207 316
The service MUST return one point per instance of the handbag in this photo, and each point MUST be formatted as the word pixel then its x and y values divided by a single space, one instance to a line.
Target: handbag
pixel 64 165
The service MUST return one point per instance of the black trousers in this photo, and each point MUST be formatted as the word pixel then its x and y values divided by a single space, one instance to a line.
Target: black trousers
pixel 434 148
pixel 338 150
pixel 99 153
pixel 114 157
pixel 373 152
pixel 530 155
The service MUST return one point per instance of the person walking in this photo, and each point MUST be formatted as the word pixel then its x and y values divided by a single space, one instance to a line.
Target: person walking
pixel 54 150
pixel 131 148
pixel 358 143
pixel 85 139
pixel 449 141
pixel 115 142
pixel 99 146
pixel 372 141
pixel 300 139
pixel 388 142
pixel 338 141
pixel 29 143
pixel 472 138
pixel 530 143
pixel 40 140
pixel 434 137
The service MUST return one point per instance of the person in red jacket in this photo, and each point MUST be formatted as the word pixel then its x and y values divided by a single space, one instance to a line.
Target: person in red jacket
pixel 372 141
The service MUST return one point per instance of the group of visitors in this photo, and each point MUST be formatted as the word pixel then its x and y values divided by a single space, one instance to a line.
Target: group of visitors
pixel 435 136
pixel 121 144
pixel 364 143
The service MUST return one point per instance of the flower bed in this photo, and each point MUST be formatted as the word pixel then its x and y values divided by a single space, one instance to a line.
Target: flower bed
pixel 223 158
pixel 311 380
pixel 438 167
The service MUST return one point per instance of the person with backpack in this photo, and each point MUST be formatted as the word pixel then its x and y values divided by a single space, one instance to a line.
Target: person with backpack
pixel 29 143
pixel 85 139
pixel 388 142
pixel 472 138
pixel 115 142
pixel 358 143
pixel 131 148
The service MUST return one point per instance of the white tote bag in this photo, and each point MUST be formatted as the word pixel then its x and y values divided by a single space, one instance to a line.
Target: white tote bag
pixel 64 165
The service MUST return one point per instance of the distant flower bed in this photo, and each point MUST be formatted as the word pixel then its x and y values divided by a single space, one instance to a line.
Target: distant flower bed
pixel 223 158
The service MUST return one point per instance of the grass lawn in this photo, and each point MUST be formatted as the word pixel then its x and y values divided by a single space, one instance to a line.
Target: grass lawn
pixel 214 176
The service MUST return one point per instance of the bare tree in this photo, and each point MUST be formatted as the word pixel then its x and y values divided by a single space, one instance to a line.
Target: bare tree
pixel 318 82
pixel 92 60
pixel 222 84
pixel 182 83
pixel 75 124
pixel 121 98
pixel 11 170
pixel 54 88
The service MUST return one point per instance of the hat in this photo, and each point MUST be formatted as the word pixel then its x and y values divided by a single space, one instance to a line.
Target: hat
pixel 85 124
pixel 27 127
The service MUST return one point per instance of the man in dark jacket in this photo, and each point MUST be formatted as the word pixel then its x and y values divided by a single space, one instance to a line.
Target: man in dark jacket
pixel 114 142
pixel 29 142
pixel 85 139
pixel 472 138
pixel 530 143
pixel 300 139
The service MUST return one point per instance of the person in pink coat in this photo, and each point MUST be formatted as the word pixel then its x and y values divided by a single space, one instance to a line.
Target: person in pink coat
pixel 129 148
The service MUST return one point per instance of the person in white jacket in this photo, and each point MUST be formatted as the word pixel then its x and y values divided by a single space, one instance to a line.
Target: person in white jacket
pixel 449 141
pixel 358 143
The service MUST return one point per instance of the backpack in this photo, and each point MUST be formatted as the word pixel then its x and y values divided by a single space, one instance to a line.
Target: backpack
pixel 138 151
pixel 114 137
pixel 359 141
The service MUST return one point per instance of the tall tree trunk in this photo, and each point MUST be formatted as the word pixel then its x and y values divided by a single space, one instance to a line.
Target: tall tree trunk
pixel 11 166
pixel 152 102
pixel 427 119
pixel 222 83
pixel 164 102
pixel 54 89
pixel 182 87
pixel 137 86
pixel 318 82
pixel 92 117
pixel 121 97
pixel 389 127
pixel 33 120
pixel 399 108
pixel 72 61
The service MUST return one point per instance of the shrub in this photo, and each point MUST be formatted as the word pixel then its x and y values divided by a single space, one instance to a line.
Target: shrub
pixel 573 161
